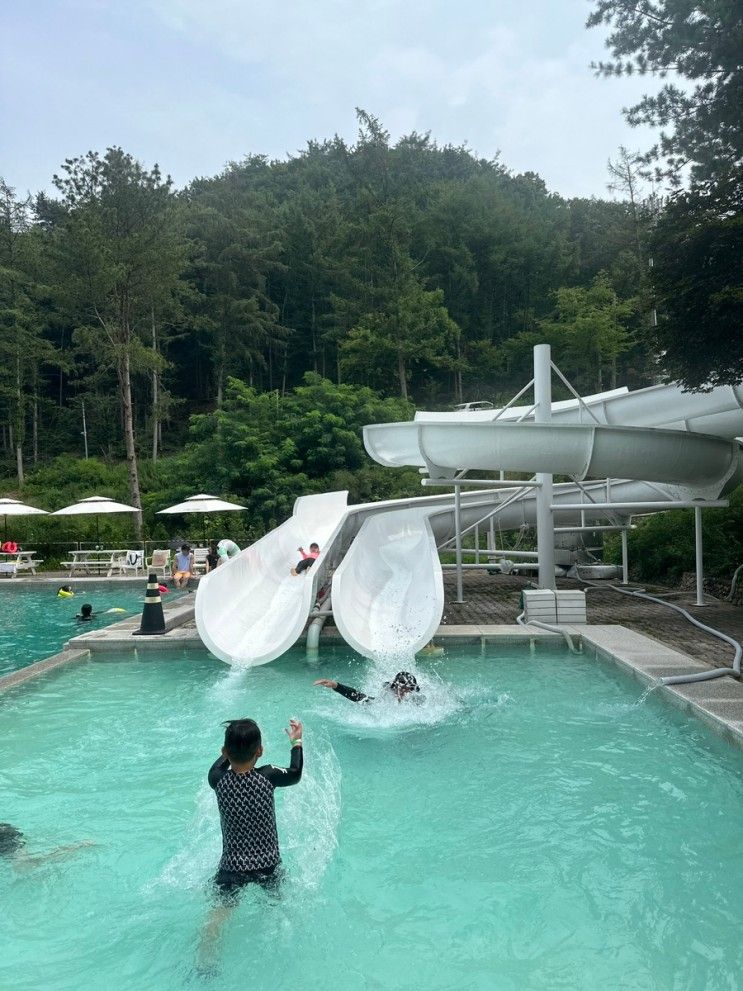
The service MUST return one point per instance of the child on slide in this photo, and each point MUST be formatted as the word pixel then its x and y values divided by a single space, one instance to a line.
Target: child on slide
pixel 307 559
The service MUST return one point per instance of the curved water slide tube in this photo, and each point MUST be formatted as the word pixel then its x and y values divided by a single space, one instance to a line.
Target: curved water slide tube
pixel 718 412
pixel 251 609
pixel 700 462
pixel 654 465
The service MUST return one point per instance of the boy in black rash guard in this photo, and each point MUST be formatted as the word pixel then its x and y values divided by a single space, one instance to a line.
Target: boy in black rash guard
pixel 250 843
pixel 403 684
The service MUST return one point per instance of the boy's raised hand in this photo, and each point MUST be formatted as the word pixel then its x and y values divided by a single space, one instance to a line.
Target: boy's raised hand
pixel 326 683
pixel 294 732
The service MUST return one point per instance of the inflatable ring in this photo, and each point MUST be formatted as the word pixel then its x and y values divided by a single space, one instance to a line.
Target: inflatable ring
pixel 64 593
pixel 9 547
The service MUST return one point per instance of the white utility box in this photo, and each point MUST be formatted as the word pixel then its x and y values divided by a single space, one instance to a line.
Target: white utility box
pixel 546 606
pixel 539 605
pixel 571 607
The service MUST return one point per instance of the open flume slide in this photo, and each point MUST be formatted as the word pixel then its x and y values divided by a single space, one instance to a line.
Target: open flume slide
pixel 390 586
pixel 251 609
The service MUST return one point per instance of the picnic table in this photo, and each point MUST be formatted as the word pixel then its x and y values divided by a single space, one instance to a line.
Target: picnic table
pixel 12 564
pixel 106 560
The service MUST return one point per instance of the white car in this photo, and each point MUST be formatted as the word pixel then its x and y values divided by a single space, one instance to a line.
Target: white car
pixel 470 407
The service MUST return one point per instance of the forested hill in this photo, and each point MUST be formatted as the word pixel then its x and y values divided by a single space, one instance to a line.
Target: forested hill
pixel 421 271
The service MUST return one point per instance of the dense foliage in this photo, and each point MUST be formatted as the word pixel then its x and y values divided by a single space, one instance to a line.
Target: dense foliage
pixel 696 47
pixel 406 267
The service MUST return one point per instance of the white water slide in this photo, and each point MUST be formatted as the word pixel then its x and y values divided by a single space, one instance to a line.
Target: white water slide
pixel 663 445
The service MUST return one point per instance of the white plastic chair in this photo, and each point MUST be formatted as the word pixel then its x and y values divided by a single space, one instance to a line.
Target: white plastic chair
pixel 131 561
pixel 160 561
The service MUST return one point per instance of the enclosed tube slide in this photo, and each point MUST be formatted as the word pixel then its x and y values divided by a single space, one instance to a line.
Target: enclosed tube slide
pixel 698 461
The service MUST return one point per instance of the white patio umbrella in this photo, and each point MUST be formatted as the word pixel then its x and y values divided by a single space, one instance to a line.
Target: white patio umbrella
pixel 202 504
pixel 95 506
pixel 13 507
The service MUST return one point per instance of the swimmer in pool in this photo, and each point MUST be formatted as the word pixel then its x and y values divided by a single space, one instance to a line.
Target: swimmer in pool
pixel 13 848
pixel 86 613
pixel 250 843
pixel 403 684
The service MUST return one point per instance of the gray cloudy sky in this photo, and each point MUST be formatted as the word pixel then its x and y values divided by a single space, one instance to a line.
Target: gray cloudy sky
pixel 193 84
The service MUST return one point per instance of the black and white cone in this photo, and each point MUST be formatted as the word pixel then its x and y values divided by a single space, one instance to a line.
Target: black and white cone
pixel 153 620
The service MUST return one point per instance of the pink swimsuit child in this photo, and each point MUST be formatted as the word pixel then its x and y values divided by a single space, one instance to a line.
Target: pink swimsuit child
pixel 308 559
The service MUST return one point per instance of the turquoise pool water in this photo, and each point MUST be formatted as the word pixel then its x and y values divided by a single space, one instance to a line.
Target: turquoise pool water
pixel 527 827
pixel 36 623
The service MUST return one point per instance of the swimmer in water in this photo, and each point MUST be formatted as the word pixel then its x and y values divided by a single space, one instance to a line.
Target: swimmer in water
pixel 13 848
pixel 402 685
pixel 65 592
pixel 86 613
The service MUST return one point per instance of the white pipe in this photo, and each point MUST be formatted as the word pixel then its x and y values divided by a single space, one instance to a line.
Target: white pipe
pixel 686 679
pixel 312 647
pixel 638 508
pixel 699 555
pixel 734 582
pixel 552 629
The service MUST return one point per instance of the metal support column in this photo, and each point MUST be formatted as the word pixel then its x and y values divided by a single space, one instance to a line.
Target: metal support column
pixel 545 518
pixel 625 559
pixel 699 554
pixel 458 539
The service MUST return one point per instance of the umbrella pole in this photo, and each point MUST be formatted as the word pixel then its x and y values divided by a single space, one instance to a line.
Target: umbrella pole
pixel 98 531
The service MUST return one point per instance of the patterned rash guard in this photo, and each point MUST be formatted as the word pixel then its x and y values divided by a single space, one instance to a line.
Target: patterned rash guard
pixel 246 810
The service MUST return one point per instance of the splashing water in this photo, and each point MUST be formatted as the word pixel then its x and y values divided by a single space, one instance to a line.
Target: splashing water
pixel 645 694
pixel 436 702
pixel 310 815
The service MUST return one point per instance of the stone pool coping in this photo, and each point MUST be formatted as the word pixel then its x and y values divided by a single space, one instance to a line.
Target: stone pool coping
pixel 718 703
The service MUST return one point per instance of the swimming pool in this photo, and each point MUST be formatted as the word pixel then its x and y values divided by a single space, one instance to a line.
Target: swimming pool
pixel 38 624
pixel 527 827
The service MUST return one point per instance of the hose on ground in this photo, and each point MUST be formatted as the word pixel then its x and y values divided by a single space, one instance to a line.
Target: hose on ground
pixel 685 679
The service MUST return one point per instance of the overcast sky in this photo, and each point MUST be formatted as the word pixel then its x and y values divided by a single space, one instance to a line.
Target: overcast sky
pixel 193 84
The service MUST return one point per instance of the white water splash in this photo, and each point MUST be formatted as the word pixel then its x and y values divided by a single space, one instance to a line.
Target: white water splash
pixel 197 861
pixel 310 814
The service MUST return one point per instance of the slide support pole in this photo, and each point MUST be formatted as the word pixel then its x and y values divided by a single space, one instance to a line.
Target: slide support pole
pixel 625 559
pixel 458 535
pixel 545 517
pixel 699 554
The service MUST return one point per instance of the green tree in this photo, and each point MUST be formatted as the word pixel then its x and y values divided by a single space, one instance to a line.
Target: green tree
pixel 588 334
pixel 24 349
pixel 697 247
pixel 700 43
pixel 120 253
pixel 414 329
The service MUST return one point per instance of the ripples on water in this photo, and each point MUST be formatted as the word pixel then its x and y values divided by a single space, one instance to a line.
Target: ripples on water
pixel 507 832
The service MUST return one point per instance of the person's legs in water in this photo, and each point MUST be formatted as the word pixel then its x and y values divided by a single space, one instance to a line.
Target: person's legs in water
pixel 227 886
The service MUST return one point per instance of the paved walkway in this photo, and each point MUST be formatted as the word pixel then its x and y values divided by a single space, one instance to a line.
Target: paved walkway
pixel 494 599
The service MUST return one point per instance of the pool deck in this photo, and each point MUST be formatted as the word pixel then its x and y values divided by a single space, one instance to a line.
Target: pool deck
pixel 646 640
